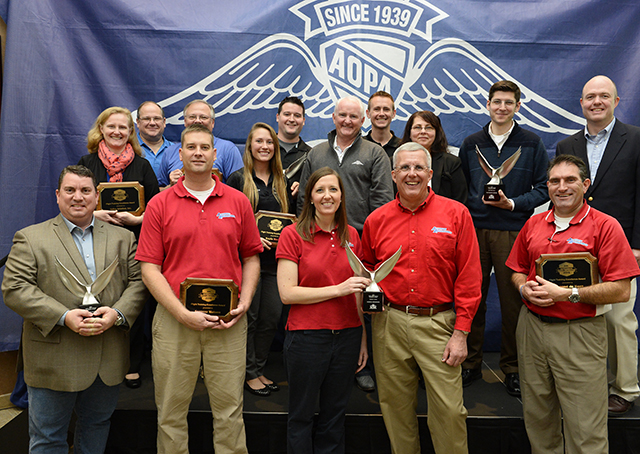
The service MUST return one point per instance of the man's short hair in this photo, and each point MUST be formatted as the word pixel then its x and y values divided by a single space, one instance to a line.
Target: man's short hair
pixel 382 94
pixel 81 171
pixel 505 85
pixel 569 159
pixel 195 101
pixel 411 146
pixel 149 102
pixel 293 100
pixel 353 99
pixel 195 128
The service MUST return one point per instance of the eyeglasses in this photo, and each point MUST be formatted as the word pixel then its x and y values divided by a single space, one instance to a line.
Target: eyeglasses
pixel 499 102
pixel 418 128
pixel 407 169
pixel 198 117
pixel 150 119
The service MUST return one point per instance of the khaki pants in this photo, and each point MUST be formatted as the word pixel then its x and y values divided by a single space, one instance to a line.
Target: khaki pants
pixel 176 356
pixel 402 343
pixel 563 375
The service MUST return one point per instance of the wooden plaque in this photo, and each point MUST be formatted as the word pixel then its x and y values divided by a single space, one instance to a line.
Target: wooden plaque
pixel 211 296
pixel 127 196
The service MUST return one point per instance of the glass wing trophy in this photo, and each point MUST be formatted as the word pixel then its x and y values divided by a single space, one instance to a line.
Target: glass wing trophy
pixel 373 297
pixel 86 292
pixel 495 183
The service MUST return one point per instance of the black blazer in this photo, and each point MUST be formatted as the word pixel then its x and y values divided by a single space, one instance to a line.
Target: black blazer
pixel 616 189
pixel 448 178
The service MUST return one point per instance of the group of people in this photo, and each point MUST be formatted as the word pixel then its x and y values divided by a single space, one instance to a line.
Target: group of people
pixel 372 194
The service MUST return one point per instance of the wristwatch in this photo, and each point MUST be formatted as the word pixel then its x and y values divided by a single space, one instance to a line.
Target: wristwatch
pixel 575 296
pixel 119 320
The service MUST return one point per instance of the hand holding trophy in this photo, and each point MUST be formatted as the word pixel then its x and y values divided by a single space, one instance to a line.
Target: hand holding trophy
pixel 373 297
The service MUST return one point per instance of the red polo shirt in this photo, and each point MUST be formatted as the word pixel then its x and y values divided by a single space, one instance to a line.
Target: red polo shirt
pixel 189 239
pixel 589 231
pixel 440 261
pixel 321 263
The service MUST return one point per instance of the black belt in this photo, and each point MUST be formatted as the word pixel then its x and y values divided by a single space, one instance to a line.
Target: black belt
pixel 418 310
pixel 548 319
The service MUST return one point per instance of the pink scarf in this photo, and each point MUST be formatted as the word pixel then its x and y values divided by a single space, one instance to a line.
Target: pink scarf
pixel 115 164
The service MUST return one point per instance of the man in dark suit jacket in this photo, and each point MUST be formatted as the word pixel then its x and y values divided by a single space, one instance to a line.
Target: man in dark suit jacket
pixel 611 150
pixel 73 358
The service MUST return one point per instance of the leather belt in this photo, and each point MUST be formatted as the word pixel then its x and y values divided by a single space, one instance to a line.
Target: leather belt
pixel 548 319
pixel 417 310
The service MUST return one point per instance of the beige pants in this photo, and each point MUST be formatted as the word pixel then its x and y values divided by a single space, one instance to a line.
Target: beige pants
pixel 176 356
pixel 402 343
pixel 563 377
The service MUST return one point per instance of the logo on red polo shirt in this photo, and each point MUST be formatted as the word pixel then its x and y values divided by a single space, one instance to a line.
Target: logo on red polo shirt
pixel 225 215
pixel 577 241
pixel 440 230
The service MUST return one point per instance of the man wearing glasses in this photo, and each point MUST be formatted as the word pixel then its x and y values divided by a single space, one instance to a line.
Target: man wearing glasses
pixel 431 296
pixel 151 122
pixel 498 222
pixel 228 157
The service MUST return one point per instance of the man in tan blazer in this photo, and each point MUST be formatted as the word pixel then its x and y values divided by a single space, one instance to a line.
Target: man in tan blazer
pixel 73 358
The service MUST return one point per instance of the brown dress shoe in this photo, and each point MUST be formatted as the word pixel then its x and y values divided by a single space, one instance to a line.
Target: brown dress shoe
pixel 618 406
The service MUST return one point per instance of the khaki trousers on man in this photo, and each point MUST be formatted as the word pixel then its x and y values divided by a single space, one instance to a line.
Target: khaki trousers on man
pixel 402 343
pixel 563 375
pixel 177 353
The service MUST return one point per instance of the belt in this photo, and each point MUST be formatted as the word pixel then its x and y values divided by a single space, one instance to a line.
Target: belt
pixel 548 319
pixel 417 310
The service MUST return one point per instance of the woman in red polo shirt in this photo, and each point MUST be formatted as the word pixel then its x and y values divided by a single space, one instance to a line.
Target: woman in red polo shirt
pixel 325 344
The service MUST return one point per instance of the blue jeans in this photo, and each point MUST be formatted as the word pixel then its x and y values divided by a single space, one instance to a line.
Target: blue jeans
pixel 319 363
pixel 50 413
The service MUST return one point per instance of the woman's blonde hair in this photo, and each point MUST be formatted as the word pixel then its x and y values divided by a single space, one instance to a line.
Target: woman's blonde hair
pixel 275 165
pixel 94 137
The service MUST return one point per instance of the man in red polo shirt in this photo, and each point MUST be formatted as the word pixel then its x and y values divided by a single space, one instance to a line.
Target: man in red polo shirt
pixel 561 334
pixel 432 294
pixel 199 228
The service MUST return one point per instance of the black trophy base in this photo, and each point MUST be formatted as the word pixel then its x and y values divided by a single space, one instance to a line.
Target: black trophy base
pixel 372 301
pixel 491 192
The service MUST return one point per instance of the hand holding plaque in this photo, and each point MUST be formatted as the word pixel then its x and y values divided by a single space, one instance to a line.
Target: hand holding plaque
pixel 271 223
pixel 373 297
pixel 212 296
pixel 496 175
pixel 571 269
pixel 126 196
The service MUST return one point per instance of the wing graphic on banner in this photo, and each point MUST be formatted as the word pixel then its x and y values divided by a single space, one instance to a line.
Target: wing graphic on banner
pixel 452 76
pixel 278 66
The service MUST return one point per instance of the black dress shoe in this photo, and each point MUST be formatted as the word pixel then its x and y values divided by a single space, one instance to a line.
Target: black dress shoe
pixel 470 375
pixel 366 383
pixel 273 387
pixel 618 406
pixel 133 383
pixel 262 392
pixel 513 384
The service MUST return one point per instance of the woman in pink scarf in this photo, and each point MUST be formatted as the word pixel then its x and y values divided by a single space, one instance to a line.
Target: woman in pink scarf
pixel 115 156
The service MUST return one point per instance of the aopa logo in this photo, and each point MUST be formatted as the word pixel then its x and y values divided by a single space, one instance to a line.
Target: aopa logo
pixel 360 48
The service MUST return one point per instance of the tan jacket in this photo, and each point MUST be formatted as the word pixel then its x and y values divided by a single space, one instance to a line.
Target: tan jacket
pixel 53 356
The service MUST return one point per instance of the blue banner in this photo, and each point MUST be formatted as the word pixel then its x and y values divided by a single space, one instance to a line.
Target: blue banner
pixel 67 60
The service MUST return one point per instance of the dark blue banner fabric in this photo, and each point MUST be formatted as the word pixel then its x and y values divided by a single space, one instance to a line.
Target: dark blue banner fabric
pixel 67 60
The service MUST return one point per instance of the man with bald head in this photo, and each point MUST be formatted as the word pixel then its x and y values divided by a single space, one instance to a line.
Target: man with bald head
pixel 363 166
pixel 611 150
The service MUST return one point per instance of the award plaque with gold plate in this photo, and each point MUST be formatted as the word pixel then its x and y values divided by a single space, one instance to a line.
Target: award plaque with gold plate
pixel 271 223
pixel 571 269
pixel 127 196
pixel 212 296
